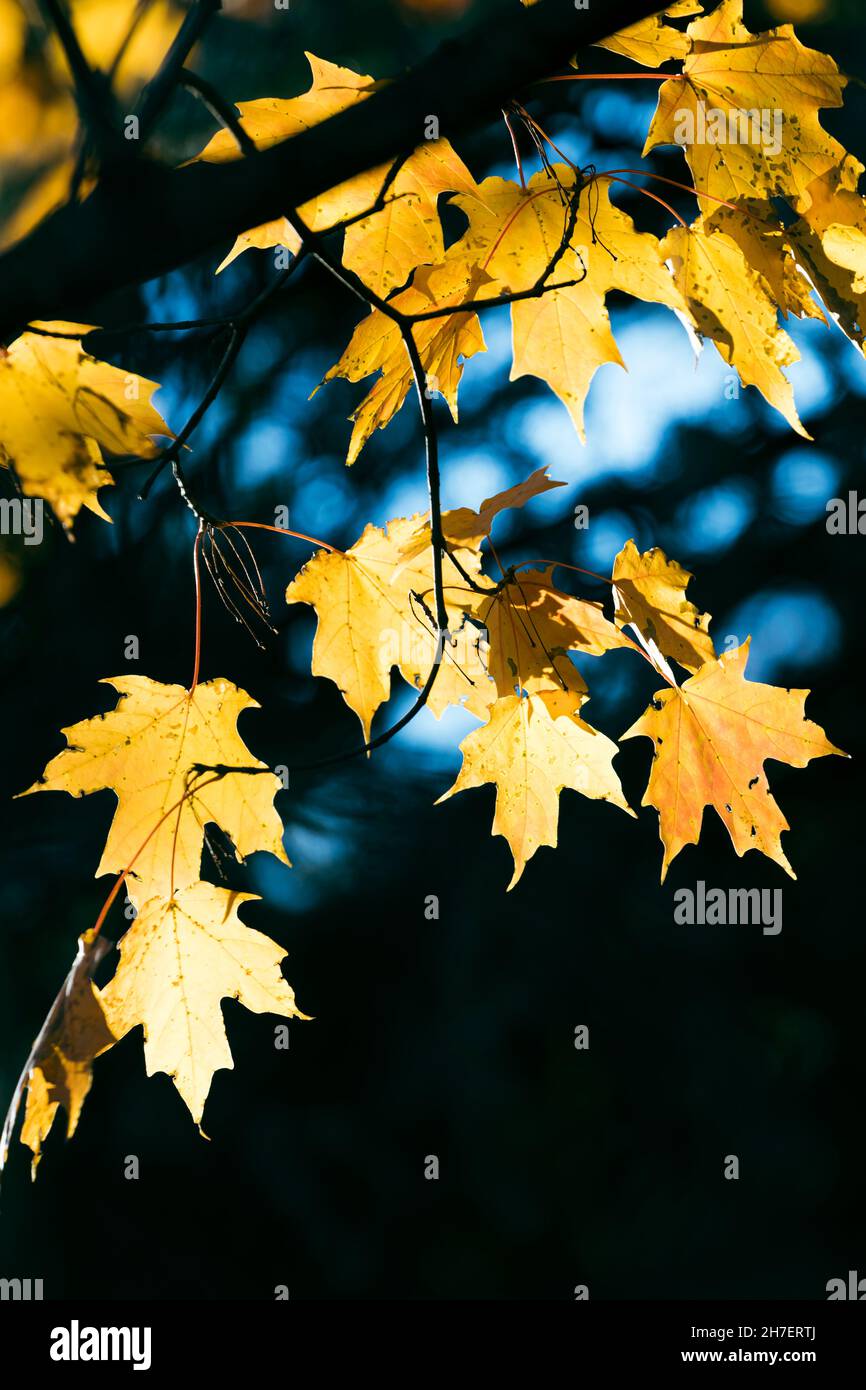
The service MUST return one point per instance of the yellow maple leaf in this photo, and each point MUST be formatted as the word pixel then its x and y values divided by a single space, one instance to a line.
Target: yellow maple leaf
pixel 756 229
pixel 531 748
pixel 650 594
pixel 60 408
pixel 711 738
pixel 178 960
pixel 651 41
pixel 731 305
pixel 375 606
pixel 146 750
pixel 564 335
pixel 382 249
pixel 531 627
pixel 59 1070
pixel 443 345
pixel 830 243
pixel 464 527
pixel 746 112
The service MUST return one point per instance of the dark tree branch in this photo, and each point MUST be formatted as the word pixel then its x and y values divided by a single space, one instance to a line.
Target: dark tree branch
pixel 222 111
pixel 93 97
pixel 431 450
pixel 238 328
pixel 158 93
pixel 312 243
pixel 151 220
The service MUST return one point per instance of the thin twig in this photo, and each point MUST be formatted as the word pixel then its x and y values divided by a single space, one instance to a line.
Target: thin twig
pixel 238 328
pixel 158 92
pixel 357 287
pixel 170 456
pixel 222 111
pixel 475 305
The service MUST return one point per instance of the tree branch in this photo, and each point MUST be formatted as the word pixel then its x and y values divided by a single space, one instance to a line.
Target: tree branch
pixel 148 220
pixel 158 93
pixel 93 96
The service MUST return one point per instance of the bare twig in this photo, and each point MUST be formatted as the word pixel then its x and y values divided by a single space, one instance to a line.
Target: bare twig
pixel 238 328
pixel 158 93
pixel 222 111
pixel 171 454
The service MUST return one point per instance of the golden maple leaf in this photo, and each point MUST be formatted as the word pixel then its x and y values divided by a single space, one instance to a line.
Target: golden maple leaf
pixel 650 594
pixel 59 1070
pixel 382 249
pixel 562 335
pixel 147 750
pixel 731 305
pixel 443 345
pixel 531 748
pixel 376 610
pixel 531 627
pixel 651 41
pixel 59 408
pixel 178 960
pixel 711 738
pixel 830 243
pixel 738 75
pixel 756 229
pixel 464 527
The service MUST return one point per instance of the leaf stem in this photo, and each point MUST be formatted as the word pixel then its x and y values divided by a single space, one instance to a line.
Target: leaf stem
pixel 196 565
pixel 615 178
pixel 613 77
pixel 283 531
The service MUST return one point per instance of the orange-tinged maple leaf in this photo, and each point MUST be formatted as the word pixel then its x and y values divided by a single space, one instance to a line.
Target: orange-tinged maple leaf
pixel 147 751
pixel 711 737
pixel 531 627
pixel 463 527
pixel 180 958
pixel 531 748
